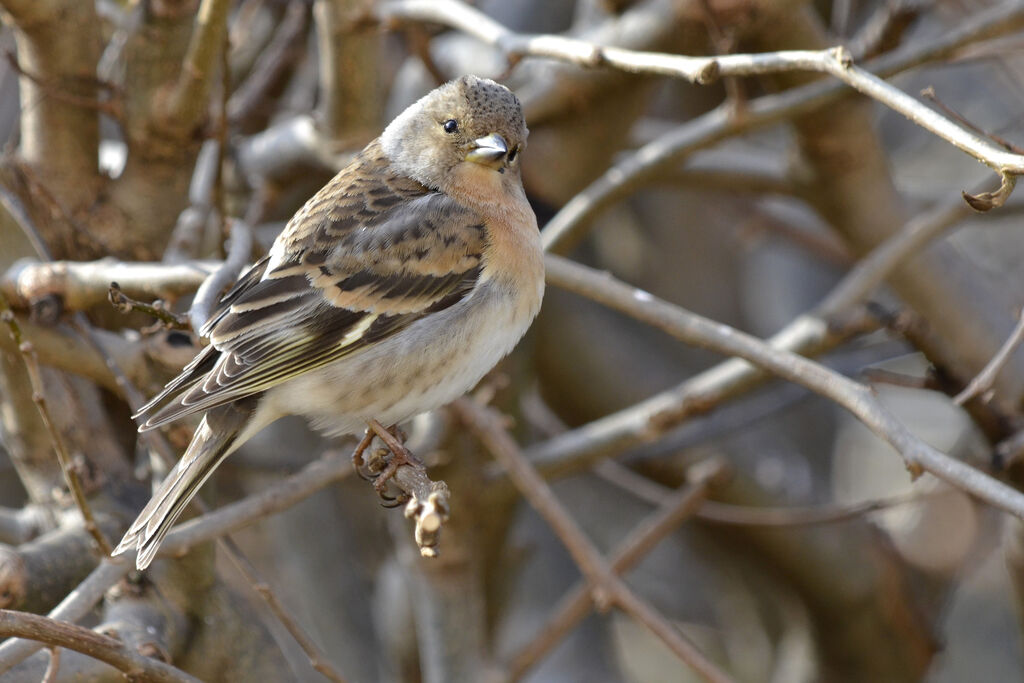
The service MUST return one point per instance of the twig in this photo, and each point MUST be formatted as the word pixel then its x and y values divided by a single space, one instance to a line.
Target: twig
pixel 674 508
pixel 570 223
pixel 283 51
pixel 856 398
pixel 39 398
pixel 837 62
pixel 984 380
pixel 427 502
pixel 125 304
pixel 317 659
pixel 717 512
pixel 605 588
pixel 186 102
pixel 326 470
pixel 83 284
pixel 212 287
pixel 809 335
pixel 73 607
pixel 52 667
pixel 104 648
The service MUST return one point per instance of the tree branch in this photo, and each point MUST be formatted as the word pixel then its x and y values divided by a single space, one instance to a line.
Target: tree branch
pixel 856 398
pixel 605 587
pixel 104 648
pixel 570 223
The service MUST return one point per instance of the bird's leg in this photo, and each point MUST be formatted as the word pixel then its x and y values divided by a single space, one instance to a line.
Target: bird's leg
pixel 400 455
pixel 358 461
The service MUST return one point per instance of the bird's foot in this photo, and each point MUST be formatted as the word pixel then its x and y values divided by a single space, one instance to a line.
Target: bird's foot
pixel 400 456
pixel 359 461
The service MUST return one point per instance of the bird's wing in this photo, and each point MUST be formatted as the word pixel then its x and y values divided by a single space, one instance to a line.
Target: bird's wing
pixel 365 258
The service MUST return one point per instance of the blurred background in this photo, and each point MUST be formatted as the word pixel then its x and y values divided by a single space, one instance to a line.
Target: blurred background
pixel 134 129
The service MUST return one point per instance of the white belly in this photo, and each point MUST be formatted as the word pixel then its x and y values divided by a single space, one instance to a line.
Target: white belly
pixel 428 364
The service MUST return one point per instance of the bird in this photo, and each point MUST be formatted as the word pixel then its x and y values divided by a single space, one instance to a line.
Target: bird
pixel 391 292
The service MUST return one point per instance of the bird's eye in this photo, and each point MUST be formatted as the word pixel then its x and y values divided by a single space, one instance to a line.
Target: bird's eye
pixel 513 153
pixel 451 126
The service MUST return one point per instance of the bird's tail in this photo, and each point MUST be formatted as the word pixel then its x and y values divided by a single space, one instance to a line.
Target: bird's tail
pixel 214 440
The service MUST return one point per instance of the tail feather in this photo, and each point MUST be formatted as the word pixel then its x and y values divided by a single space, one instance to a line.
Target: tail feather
pixel 215 439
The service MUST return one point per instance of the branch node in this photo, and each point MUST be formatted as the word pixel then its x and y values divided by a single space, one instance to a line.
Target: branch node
pixel 709 73
pixel 986 201
pixel 843 56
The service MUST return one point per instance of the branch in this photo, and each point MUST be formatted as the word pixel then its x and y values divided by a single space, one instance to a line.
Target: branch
pixel 983 382
pixel 20 525
pixel 104 648
pixel 187 100
pixel 837 62
pixel 856 398
pixel 674 508
pixel 808 335
pixel 317 659
pixel 570 223
pixel 82 285
pixel 717 512
pixel 69 469
pixel 75 606
pixel 605 587
pixel 213 286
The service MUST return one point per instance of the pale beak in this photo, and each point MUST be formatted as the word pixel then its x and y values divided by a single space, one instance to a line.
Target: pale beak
pixel 489 151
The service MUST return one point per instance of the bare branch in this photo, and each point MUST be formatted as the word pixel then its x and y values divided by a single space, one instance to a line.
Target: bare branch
pixel 82 285
pixel 753 515
pixel 605 587
pixel 187 101
pixel 856 398
pixel 104 648
pixel 38 397
pixel 210 290
pixel 837 62
pixel 315 476
pixel 317 658
pixel 76 605
pixel 569 224
pixel 674 508
pixel 983 382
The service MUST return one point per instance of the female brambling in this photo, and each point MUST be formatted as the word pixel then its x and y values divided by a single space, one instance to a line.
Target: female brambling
pixel 391 292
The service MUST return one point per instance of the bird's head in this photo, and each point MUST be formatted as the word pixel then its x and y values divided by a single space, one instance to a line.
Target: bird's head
pixel 470 126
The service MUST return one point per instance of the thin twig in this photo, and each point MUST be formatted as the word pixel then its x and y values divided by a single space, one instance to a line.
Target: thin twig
pixel 317 658
pixel 837 62
pixel 83 284
pixel 568 226
pixel 984 380
pixel 717 512
pixel 605 587
pixel 322 472
pixel 39 398
pixel 673 510
pixel 209 292
pixel 125 304
pixel 856 398
pixel 186 102
pixel 73 607
pixel 52 667
pixel 95 645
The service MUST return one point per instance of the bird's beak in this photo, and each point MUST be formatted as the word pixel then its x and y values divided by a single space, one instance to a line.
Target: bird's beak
pixel 489 151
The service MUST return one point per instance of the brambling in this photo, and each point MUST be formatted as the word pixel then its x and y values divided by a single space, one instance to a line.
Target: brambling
pixel 390 293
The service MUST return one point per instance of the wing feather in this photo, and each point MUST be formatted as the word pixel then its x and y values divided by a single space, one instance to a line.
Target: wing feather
pixel 366 257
